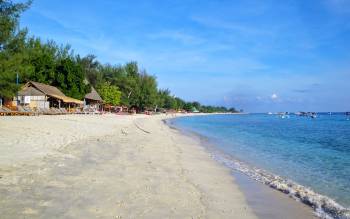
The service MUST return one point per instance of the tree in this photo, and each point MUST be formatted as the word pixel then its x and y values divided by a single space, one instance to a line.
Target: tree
pixel 162 96
pixel 90 68
pixel 188 106
pixel 148 92
pixel 41 59
pixel 179 103
pixel 12 43
pixel 109 93
pixel 70 78
pixel 9 19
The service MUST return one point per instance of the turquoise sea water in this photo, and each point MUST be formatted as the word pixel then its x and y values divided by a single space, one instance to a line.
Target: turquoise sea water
pixel 311 152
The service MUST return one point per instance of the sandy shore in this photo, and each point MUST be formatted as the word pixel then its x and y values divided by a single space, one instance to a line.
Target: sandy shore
pixel 110 167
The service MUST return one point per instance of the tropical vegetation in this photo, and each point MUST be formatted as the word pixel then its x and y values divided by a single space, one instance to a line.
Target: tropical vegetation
pixel 30 59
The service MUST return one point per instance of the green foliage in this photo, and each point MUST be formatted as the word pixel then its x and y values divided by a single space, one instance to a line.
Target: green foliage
pixel 57 65
pixel 109 93
pixel 90 68
pixel 70 78
pixel 147 97
pixel 12 44
pixel 9 19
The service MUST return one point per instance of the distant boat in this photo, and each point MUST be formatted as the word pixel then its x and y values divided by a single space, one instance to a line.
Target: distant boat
pixel 307 114
pixel 270 113
pixel 285 116
pixel 301 113
pixel 313 115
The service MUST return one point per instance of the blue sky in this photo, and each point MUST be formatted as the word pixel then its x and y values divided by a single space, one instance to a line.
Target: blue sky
pixel 257 55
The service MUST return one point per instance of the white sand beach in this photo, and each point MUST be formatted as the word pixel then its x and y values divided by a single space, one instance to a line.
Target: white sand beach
pixel 110 166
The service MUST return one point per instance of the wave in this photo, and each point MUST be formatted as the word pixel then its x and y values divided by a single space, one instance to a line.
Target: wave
pixel 324 206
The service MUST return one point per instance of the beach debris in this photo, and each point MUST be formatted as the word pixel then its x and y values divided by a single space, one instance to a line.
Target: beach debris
pixel 124 132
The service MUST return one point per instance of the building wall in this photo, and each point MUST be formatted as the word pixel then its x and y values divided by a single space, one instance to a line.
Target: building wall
pixel 34 101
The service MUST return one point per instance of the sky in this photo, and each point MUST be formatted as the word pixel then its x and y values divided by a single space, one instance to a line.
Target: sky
pixel 260 56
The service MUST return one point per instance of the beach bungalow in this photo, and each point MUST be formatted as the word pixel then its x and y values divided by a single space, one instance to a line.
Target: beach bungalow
pixel 93 100
pixel 194 110
pixel 38 95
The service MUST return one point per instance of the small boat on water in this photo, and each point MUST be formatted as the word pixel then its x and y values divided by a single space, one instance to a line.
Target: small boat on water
pixel 313 115
pixel 283 115
pixel 307 114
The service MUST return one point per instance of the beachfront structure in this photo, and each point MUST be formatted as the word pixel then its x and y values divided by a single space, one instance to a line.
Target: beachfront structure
pixel 194 110
pixel 93 100
pixel 38 95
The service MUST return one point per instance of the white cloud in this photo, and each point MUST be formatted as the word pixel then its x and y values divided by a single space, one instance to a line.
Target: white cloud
pixel 274 96
pixel 243 29
pixel 177 36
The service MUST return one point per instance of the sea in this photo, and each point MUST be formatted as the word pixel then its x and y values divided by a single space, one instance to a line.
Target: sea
pixel 305 158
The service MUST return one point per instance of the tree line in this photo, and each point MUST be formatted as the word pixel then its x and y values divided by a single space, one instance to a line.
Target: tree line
pixel 47 62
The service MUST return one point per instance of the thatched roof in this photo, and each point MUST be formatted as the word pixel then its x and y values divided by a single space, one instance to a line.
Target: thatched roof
pixel 47 89
pixel 93 95
pixel 30 91
pixel 51 91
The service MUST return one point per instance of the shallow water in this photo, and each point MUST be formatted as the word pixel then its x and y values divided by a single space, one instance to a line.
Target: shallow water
pixel 311 152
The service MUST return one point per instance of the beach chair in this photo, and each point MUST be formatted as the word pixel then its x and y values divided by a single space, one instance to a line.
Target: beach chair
pixel 85 111
pixel 36 111
pixel 64 111
pixel 9 112
pixel 78 111
pixel 54 111
pixel 61 111
pixel 23 112
pixel 30 110
pixel 2 112
pixel 41 111
pixel 46 111
pixel 58 111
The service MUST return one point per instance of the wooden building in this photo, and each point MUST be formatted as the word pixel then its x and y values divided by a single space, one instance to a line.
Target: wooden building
pixel 93 100
pixel 38 95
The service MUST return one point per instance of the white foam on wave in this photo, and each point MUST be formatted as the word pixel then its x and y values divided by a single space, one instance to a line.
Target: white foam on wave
pixel 324 206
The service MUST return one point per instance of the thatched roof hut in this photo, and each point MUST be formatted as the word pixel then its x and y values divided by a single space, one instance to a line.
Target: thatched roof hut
pixel 94 96
pixel 52 91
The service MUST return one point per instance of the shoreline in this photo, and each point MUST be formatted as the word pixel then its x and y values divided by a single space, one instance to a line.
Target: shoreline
pixel 111 167
pixel 321 206
pixel 259 196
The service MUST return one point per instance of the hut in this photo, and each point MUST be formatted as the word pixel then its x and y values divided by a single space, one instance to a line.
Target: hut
pixel 38 95
pixel 93 100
